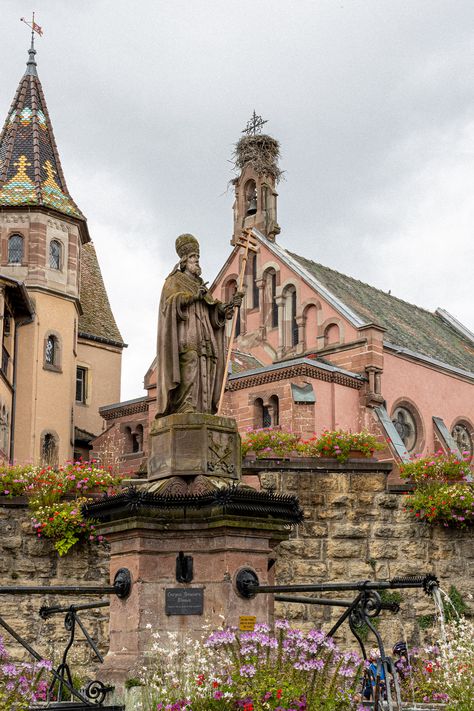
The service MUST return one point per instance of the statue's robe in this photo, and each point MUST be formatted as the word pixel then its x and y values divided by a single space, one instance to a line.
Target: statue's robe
pixel 191 351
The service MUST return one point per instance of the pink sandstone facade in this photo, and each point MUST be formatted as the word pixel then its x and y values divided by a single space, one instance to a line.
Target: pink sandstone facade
pixel 316 349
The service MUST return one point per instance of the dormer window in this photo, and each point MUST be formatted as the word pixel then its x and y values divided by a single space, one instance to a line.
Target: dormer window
pixel 15 249
pixel 55 254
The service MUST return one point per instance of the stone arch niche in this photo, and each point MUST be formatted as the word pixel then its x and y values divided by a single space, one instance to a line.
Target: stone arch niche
pixel 332 334
pixel 311 314
pixel 49 454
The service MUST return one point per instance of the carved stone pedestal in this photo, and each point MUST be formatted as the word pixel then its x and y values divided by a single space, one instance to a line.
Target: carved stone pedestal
pixel 203 538
pixel 192 445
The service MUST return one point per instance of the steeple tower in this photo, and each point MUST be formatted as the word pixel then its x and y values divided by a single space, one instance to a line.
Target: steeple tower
pixel 68 354
pixel 30 168
pixel 256 157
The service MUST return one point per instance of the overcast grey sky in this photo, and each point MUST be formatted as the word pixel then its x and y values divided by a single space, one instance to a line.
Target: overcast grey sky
pixel 372 101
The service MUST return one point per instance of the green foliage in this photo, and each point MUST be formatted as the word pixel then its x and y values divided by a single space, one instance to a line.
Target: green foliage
pixel 269 442
pixel 440 467
pixel 453 610
pixel 339 444
pixel 443 490
pixel 458 607
pixel 55 497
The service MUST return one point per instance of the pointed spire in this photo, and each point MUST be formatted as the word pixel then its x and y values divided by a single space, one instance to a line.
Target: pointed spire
pixel 30 168
pixel 31 63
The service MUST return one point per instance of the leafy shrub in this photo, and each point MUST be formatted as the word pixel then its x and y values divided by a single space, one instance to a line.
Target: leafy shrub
pixel 337 444
pixel 55 497
pixel 268 442
pixel 443 490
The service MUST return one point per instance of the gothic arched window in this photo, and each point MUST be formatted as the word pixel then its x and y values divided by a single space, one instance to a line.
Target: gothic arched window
pixel 55 254
pixel 15 249
pixel 291 334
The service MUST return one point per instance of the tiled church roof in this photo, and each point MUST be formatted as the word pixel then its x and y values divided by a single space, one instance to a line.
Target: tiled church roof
pixel 30 169
pixel 97 320
pixel 408 326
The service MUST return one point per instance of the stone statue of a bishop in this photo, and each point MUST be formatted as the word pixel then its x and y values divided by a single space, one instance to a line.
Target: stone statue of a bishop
pixel 191 337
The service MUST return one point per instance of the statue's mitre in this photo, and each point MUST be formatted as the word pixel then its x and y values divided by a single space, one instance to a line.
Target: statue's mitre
pixel 187 244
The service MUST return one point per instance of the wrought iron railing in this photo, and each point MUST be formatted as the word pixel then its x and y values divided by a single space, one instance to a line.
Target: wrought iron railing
pixel 95 692
pixel 359 612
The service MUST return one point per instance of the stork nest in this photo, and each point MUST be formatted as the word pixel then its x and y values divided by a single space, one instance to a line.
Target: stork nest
pixel 261 152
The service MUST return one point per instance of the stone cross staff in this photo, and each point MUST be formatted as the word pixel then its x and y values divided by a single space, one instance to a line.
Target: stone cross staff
pixel 249 243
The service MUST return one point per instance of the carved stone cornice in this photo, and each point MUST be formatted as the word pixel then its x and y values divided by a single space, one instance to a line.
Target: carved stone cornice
pixel 294 371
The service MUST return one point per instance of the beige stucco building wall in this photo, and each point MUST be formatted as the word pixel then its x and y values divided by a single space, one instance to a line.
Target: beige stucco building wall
pixel 45 394
pixel 103 366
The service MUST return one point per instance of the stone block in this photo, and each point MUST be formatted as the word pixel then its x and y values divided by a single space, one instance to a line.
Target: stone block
pixel 315 530
pixel 307 572
pixel 346 548
pixel 387 501
pixel 193 444
pixel 367 482
pixel 350 531
pixel 385 549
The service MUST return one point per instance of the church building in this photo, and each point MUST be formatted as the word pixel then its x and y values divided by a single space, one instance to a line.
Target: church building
pixel 61 348
pixel 316 349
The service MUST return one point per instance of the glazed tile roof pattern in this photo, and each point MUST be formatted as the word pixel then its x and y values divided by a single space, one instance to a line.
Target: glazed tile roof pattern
pixel 241 361
pixel 407 325
pixel 97 319
pixel 30 169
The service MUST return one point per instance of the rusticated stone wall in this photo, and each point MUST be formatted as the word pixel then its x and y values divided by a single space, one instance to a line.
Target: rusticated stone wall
pixel 355 528
pixel 28 560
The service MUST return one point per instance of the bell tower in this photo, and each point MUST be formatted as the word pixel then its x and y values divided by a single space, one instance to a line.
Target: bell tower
pixel 256 157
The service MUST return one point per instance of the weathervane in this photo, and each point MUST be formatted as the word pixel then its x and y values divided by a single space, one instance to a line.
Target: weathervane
pixel 34 28
pixel 254 126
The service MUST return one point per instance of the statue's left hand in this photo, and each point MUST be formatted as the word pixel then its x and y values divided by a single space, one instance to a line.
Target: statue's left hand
pixel 237 299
